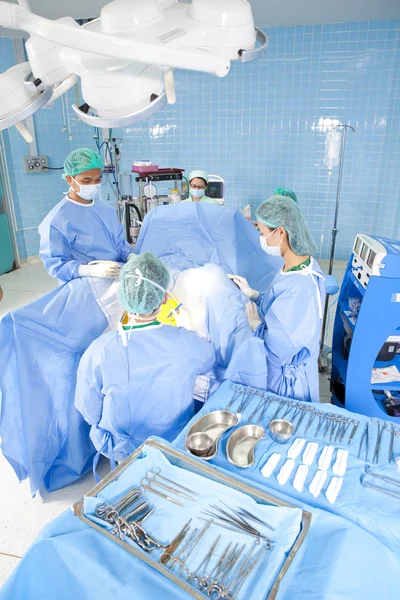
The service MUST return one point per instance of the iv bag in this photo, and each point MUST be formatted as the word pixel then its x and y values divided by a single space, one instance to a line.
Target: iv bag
pixel 332 149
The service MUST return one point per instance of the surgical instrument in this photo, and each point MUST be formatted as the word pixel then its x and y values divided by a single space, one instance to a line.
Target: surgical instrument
pixel 386 491
pixel 245 513
pixel 391 444
pixel 108 512
pixel 169 550
pixel 365 436
pixel 353 431
pixel 391 480
pixel 146 483
pixel 202 568
pixel 153 491
pixel 381 429
pixel 155 472
pixel 234 520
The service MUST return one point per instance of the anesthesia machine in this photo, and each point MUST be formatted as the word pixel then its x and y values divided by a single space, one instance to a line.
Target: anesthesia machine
pixel 366 338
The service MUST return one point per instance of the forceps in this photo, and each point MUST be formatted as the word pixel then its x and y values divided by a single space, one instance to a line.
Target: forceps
pixel 155 472
pixel 381 429
pixel 147 486
pixel 365 436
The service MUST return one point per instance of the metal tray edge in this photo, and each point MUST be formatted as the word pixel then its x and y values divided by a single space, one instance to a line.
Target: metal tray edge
pixel 224 478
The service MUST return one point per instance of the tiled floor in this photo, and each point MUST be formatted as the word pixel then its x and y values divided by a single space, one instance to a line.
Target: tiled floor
pixel 23 517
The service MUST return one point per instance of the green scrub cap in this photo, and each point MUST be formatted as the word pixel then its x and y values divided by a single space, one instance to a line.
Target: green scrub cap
pixel 280 191
pixel 280 211
pixel 81 160
pixel 143 283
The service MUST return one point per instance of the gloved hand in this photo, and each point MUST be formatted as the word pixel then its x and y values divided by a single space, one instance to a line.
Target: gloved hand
pixel 182 319
pixel 243 285
pixel 107 269
pixel 252 315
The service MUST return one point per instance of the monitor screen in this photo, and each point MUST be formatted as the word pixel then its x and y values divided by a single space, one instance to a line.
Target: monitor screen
pixel 371 258
pixel 364 251
pixel 215 189
pixel 358 246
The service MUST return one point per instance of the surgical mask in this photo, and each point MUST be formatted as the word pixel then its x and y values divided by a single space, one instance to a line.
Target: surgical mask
pixel 196 193
pixel 271 250
pixel 87 192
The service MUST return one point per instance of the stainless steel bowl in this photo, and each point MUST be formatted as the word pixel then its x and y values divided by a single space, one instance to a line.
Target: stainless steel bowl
pixel 281 431
pixel 213 424
pixel 241 445
pixel 200 444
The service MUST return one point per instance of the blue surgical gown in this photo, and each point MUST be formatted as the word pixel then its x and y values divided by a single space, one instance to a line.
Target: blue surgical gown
pixel 291 331
pixel 128 393
pixel 74 234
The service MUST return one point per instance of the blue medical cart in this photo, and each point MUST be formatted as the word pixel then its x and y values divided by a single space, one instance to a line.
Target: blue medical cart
pixel 366 332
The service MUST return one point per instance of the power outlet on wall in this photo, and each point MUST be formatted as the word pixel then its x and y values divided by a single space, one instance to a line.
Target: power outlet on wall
pixel 36 164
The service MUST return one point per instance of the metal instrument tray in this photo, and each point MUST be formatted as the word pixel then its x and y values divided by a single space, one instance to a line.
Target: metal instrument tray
pixel 194 465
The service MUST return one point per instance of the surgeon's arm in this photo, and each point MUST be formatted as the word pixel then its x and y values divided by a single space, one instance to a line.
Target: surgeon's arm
pixel 261 302
pixel 124 249
pixel 206 356
pixel 55 252
pixel 88 395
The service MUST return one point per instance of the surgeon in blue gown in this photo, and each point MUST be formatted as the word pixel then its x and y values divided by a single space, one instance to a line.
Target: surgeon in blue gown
pixel 139 381
pixel 288 315
pixel 81 229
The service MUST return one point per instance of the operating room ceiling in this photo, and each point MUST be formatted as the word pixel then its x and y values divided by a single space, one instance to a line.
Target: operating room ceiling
pixel 266 12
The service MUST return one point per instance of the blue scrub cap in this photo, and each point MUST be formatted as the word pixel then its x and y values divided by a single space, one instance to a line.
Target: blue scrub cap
pixel 81 160
pixel 280 211
pixel 143 283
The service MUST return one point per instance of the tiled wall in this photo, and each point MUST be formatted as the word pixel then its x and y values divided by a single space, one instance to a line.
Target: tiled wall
pixel 258 128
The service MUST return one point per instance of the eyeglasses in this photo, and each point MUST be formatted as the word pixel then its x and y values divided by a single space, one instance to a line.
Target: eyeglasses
pixel 198 187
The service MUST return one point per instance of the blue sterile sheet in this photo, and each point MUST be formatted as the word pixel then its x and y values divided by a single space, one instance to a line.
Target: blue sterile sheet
pixel 43 436
pixel 192 235
pixel 376 513
pixel 71 560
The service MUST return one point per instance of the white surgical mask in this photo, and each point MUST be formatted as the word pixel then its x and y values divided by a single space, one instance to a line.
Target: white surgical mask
pixel 271 250
pixel 87 192
pixel 196 193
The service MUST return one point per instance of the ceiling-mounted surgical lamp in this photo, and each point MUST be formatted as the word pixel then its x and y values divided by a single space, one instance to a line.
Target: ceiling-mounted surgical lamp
pixel 125 58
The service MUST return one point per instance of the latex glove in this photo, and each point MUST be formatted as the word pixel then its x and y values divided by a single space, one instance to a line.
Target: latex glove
pixel 244 287
pixel 107 269
pixel 252 315
pixel 182 319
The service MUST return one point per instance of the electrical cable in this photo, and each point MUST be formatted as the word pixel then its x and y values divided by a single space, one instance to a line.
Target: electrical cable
pixel 53 168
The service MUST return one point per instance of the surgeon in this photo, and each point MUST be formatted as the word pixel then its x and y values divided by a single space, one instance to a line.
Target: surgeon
pixel 139 381
pixel 198 181
pixel 291 310
pixel 81 229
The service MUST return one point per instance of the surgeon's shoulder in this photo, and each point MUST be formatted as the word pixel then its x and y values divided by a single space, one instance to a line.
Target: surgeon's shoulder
pixel 105 343
pixel 104 208
pixel 56 214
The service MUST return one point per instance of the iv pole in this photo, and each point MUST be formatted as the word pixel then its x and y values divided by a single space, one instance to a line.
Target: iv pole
pixel 334 232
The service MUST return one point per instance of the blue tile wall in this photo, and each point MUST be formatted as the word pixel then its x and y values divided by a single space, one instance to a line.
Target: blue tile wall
pixel 258 128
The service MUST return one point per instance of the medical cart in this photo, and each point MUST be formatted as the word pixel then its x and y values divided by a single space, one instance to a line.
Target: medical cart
pixel 366 332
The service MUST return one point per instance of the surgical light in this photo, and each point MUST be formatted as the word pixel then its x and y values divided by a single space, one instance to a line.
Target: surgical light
pixel 125 58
